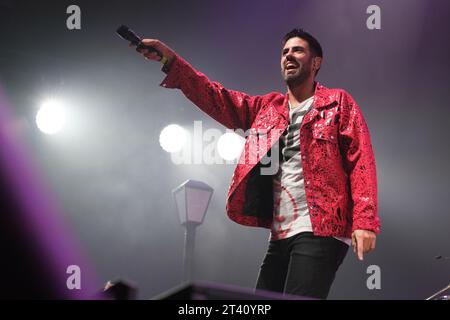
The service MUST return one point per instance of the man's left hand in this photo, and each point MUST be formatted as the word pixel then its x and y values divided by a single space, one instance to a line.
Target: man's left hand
pixel 363 241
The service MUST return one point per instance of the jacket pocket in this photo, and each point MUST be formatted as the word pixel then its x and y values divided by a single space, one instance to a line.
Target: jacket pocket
pixel 321 131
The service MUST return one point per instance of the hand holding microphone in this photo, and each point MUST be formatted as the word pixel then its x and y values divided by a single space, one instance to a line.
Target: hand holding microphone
pixel 151 49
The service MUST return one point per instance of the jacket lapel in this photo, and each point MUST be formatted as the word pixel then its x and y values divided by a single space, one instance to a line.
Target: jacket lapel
pixel 323 97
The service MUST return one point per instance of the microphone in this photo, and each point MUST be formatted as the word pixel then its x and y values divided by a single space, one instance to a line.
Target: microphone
pixel 127 34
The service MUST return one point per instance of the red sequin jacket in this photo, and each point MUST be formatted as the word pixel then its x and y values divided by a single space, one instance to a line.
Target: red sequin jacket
pixel 337 157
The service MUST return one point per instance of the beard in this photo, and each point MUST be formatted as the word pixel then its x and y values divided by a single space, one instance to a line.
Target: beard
pixel 294 79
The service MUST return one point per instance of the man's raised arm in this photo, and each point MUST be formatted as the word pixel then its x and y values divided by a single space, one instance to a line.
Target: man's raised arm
pixel 233 109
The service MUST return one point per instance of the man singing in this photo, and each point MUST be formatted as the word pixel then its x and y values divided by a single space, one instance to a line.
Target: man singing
pixel 323 195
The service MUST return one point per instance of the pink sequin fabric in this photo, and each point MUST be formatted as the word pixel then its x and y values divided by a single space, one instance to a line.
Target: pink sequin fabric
pixel 337 156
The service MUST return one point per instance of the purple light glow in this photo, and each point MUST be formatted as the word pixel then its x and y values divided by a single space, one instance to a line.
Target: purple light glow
pixel 41 219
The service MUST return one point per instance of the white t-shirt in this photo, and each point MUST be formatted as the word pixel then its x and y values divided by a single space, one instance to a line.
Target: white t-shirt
pixel 290 210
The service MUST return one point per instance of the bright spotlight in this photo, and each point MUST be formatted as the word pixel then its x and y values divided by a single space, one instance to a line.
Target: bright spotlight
pixel 172 138
pixel 230 146
pixel 50 118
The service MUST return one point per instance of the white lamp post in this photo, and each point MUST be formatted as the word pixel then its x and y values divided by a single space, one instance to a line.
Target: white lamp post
pixel 192 199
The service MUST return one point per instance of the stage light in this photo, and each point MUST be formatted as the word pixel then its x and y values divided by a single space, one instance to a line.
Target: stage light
pixel 50 118
pixel 230 146
pixel 172 138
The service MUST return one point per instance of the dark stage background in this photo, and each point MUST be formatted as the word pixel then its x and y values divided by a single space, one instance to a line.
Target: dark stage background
pixel 112 181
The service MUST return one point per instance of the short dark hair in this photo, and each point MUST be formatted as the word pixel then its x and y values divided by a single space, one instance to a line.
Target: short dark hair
pixel 314 45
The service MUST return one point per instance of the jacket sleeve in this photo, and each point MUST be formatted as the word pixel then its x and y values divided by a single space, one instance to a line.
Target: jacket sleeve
pixel 233 109
pixel 359 163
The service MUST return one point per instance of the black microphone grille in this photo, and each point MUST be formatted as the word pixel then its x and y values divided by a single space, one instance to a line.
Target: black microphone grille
pixel 127 34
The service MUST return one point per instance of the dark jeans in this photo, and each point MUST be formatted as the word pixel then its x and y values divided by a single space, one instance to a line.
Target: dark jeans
pixel 303 264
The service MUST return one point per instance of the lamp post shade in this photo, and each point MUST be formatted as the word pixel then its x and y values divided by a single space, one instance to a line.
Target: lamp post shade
pixel 192 199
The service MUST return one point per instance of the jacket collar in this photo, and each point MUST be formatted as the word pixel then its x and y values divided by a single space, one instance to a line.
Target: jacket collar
pixel 323 97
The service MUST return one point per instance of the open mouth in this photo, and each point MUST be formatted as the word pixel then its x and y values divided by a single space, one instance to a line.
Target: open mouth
pixel 291 66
